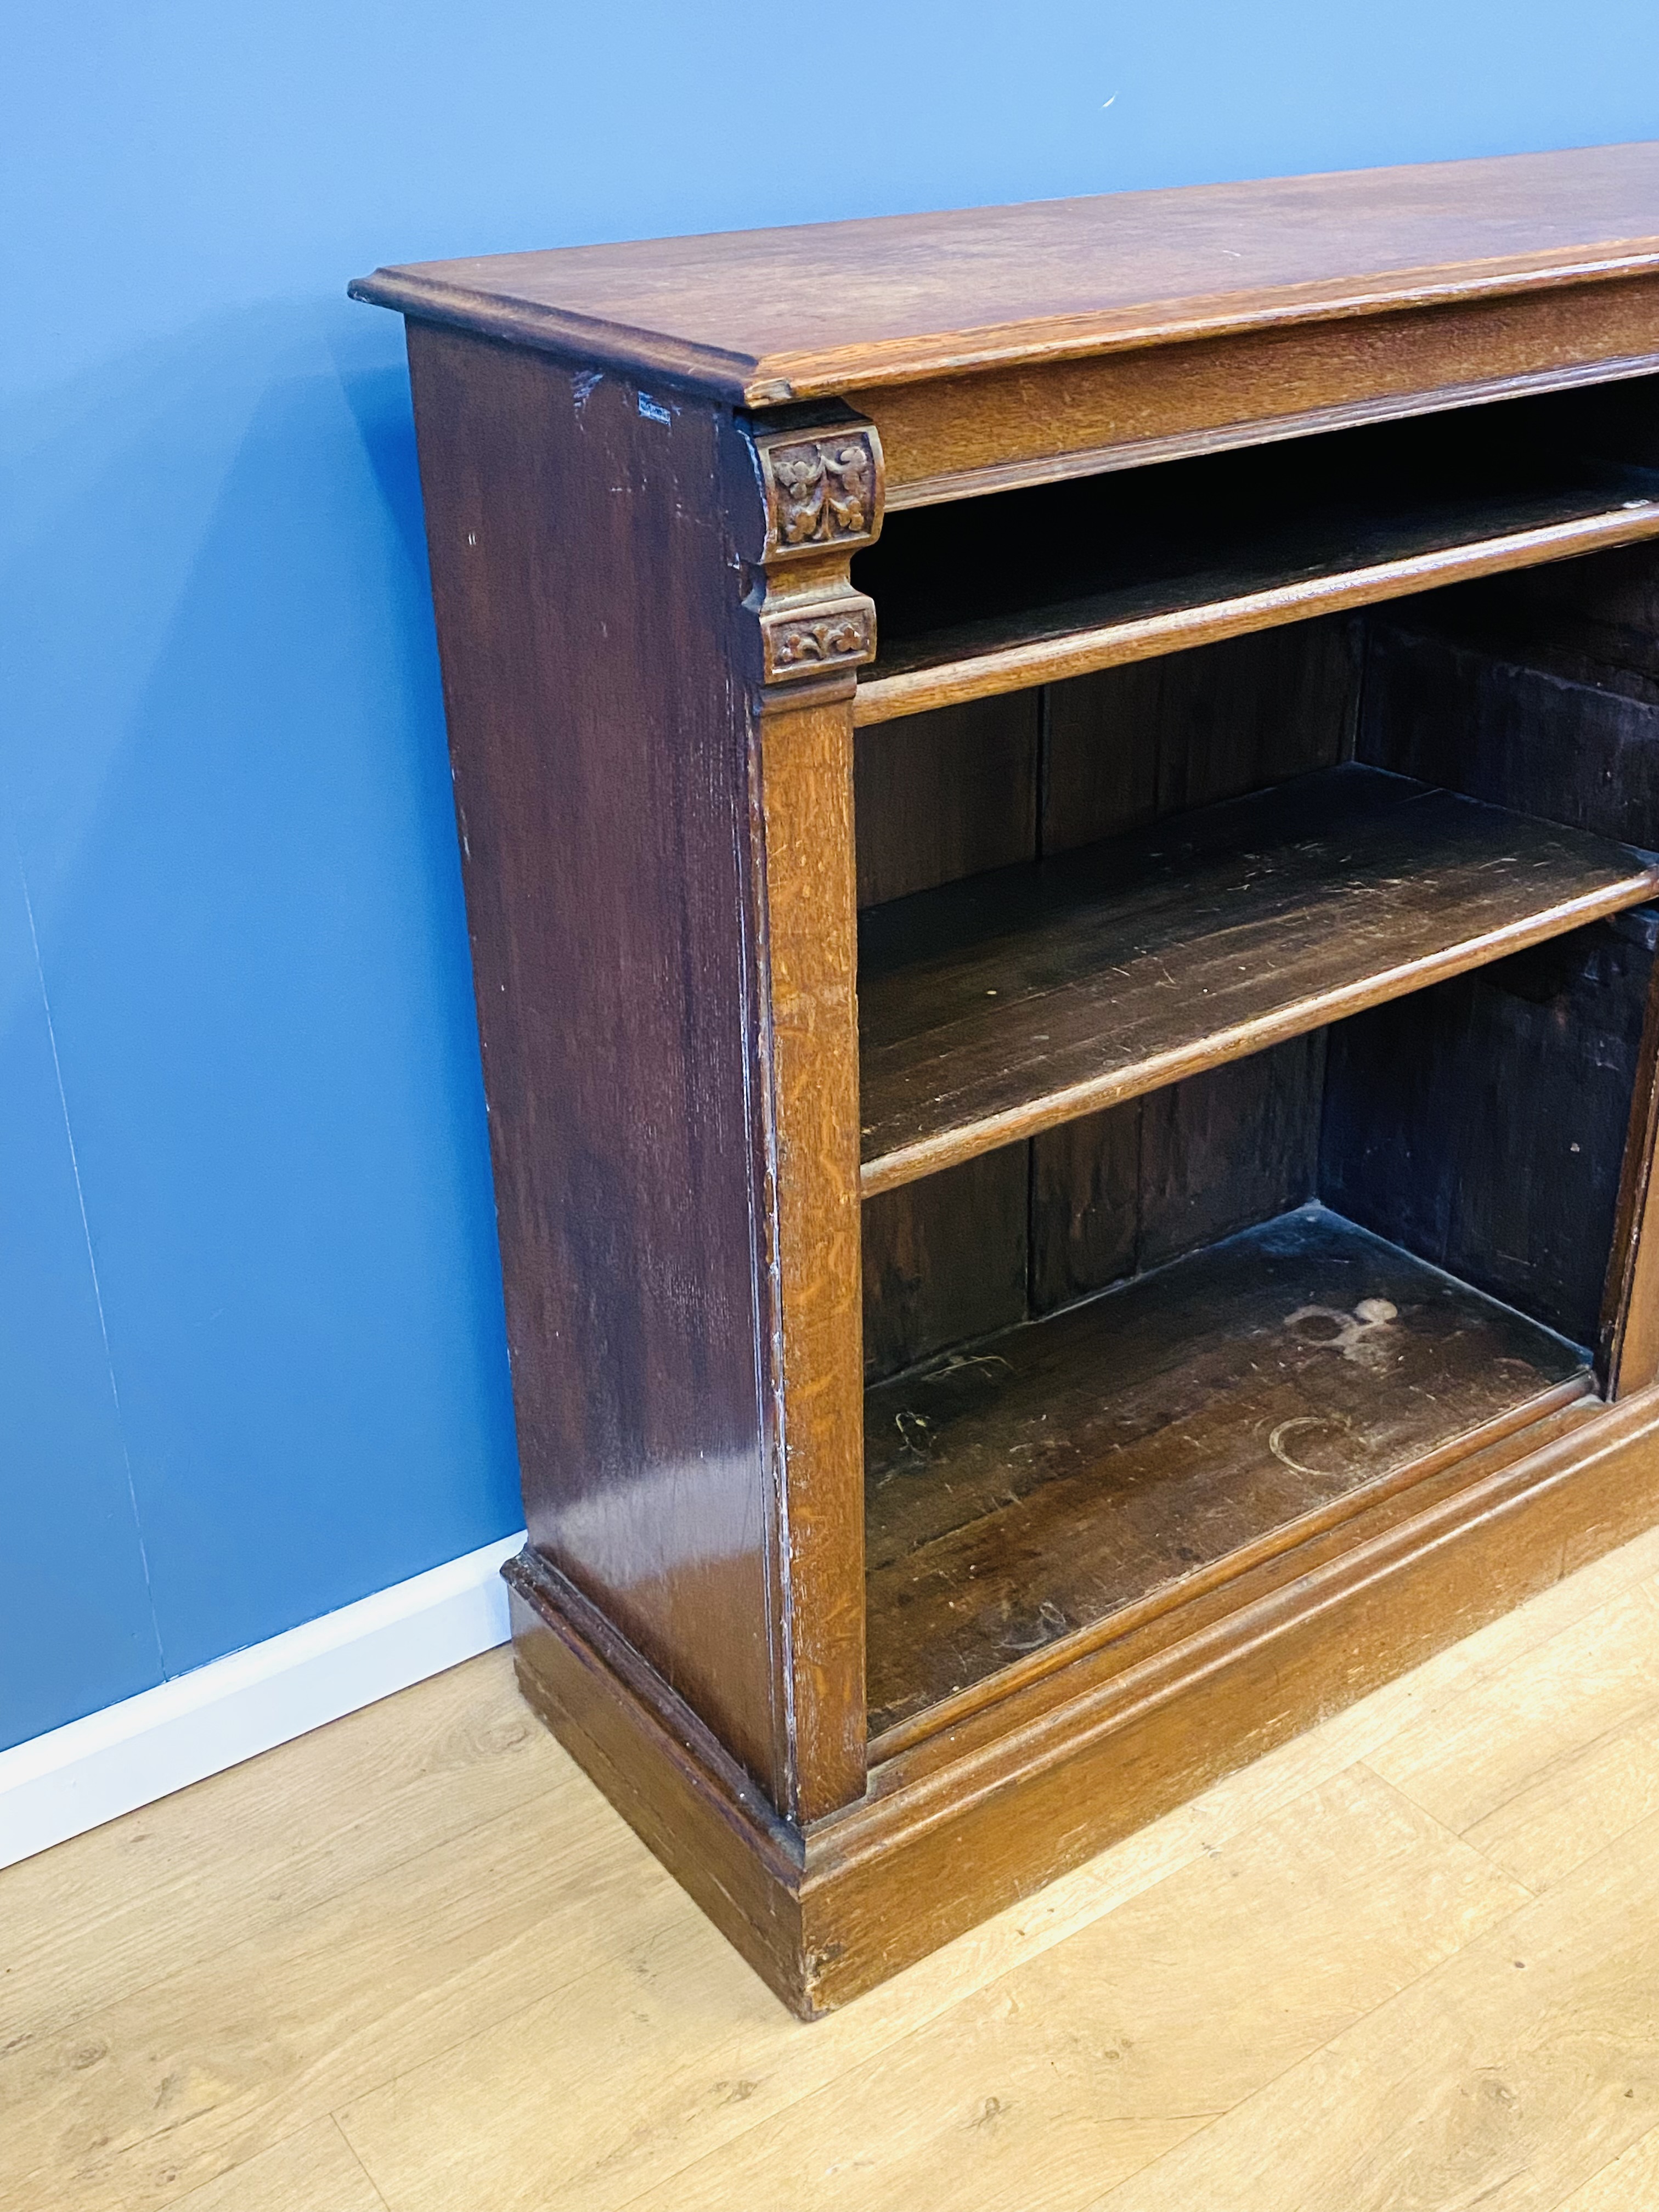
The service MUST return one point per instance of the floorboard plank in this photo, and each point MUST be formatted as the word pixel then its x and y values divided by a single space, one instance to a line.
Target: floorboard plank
pixel 1578 1804
pixel 1508 2076
pixel 1628 2184
pixel 1488 1746
pixel 315 2171
pixel 170 2087
pixel 237 1856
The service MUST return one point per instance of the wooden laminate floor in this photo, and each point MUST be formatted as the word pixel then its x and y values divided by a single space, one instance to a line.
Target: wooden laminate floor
pixel 414 1963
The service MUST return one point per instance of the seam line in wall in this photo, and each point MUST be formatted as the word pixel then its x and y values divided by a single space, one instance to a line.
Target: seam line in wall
pixel 92 1265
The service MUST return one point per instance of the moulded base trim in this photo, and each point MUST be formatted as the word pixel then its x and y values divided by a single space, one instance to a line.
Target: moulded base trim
pixel 960 1826
pixel 92 1769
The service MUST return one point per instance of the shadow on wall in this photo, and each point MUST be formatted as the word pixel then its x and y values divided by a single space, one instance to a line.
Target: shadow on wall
pixel 225 774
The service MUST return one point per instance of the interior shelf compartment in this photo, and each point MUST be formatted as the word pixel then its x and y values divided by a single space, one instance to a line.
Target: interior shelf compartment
pixel 1008 1002
pixel 1021 588
pixel 1089 1468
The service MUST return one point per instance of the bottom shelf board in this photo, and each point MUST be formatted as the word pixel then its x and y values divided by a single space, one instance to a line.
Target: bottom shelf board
pixel 1086 1468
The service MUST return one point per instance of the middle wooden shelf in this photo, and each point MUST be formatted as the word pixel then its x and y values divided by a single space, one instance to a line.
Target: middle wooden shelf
pixel 1009 1002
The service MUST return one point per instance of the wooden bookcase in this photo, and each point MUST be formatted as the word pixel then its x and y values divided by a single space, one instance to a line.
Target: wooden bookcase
pixel 1057 807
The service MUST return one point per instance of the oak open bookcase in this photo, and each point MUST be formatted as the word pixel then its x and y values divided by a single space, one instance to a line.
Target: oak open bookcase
pixel 1058 809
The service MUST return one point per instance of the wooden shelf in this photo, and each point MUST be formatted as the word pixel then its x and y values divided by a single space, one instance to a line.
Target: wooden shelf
pixel 1124 568
pixel 1071 1476
pixel 1012 1001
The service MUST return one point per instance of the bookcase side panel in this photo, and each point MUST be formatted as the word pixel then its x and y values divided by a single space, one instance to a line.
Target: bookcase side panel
pixel 584 604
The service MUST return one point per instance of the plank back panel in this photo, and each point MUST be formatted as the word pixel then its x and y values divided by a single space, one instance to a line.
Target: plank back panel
pixel 1132 745
pixel 1482 1124
pixel 1489 1131
pixel 1481 715
pixel 944 1260
pixel 939 797
pixel 947 794
pixel 1140 1184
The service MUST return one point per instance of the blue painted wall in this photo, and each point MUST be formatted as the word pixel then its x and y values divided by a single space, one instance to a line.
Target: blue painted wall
pixel 250 1350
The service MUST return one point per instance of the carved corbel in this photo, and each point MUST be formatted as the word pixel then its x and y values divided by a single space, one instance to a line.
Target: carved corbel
pixel 821 485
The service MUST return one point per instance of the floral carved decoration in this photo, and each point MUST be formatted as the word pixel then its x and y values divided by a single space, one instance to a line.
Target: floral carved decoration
pixel 796 644
pixel 825 492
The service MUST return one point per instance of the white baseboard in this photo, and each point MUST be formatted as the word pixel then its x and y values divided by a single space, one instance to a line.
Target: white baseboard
pixel 77 1777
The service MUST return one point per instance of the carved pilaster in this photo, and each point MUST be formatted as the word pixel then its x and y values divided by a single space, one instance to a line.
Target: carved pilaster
pixel 806 496
pixel 821 485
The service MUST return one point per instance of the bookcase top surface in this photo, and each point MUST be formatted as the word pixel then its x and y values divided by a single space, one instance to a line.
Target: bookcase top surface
pixel 761 316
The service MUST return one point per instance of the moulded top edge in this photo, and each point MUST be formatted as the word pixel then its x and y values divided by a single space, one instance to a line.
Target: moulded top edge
pixel 762 316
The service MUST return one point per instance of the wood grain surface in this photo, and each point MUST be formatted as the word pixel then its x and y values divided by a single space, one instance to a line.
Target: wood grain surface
pixel 945 1259
pixel 1591 619
pixel 955 1823
pixel 1132 745
pixel 764 316
pixel 961 436
pixel 1498 716
pixel 1011 1002
pixel 802 832
pixel 1128 1190
pixel 1629 1335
